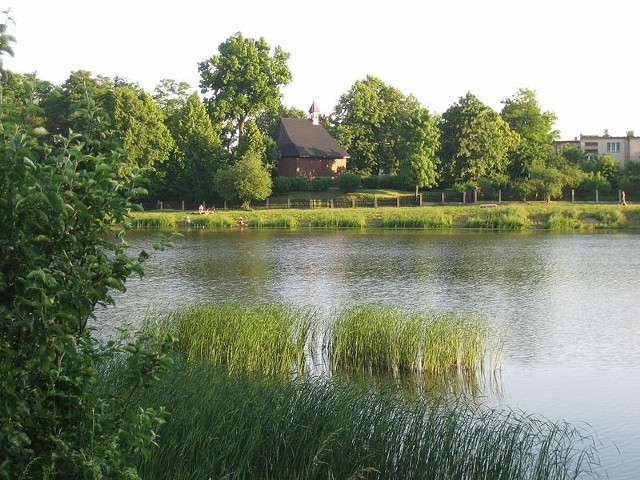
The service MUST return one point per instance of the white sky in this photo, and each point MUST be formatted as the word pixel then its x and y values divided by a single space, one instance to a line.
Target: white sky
pixel 580 57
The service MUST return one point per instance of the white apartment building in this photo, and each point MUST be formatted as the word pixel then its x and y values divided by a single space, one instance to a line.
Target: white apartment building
pixel 624 150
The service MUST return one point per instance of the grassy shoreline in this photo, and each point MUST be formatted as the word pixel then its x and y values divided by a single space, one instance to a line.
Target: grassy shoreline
pixel 559 216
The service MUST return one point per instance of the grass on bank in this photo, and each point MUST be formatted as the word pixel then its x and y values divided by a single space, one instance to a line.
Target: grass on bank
pixel 242 426
pixel 554 216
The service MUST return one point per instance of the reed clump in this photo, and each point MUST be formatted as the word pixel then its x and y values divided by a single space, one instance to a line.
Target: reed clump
pixel 422 218
pixel 507 218
pixel 338 219
pixel 268 339
pixel 381 339
pixel 246 426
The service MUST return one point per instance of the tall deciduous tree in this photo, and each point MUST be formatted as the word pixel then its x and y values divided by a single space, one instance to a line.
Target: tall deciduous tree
pixel 61 105
pixel 138 124
pixel 189 172
pixel 385 131
pixel 418 150
pixel 364 122
pixel 535 127
pixel 476 142
pixel 243 80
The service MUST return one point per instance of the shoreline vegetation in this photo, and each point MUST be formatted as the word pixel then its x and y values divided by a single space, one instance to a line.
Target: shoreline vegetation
pixel 241 405
pixel 556 216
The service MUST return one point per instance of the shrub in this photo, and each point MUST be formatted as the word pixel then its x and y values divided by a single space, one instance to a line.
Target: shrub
pixel 349 182
pixel 321 184
pixel 59 205
pixel 282 185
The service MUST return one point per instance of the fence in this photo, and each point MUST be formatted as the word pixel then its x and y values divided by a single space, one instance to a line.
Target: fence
pixel 423 198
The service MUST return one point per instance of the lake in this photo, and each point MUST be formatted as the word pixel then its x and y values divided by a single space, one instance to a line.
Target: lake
pixel 568 305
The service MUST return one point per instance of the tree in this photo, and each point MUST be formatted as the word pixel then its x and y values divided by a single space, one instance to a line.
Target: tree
pixel 171 96
pixel 476 142
pixel 139 125
pixel 243 80
pixel 25 92
pixel 535 127
pixel 189 173
pixel 418 151
pixel 248 179
pixel 63 208
pixel 365 121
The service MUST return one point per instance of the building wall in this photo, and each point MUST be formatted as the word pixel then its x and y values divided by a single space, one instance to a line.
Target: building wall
pixel 311 167
pixel 624 150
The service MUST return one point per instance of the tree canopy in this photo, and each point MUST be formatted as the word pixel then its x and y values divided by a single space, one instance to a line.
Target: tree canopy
pixel 535 127
pixel 243 80
pixel 476 142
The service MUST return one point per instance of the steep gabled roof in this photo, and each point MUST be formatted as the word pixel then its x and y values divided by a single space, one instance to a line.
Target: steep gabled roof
pixel 298 137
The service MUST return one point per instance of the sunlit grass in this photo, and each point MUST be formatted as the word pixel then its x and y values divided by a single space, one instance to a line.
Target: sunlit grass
pixel 416 218
pixel 516 216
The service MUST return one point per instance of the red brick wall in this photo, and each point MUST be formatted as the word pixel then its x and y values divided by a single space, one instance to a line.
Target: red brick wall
pixel 311 167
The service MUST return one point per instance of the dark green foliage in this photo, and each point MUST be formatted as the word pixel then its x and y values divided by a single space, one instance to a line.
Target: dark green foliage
pixel 281 185
pixel 321 184
pixel 349 182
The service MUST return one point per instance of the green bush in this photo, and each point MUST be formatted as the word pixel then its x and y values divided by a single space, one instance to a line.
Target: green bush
pixel 321 184
pixel 300 184
pixel 349 182
pixel 281 185
pixel 63 205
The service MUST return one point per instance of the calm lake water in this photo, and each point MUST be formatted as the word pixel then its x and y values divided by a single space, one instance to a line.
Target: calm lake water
pixel 569 305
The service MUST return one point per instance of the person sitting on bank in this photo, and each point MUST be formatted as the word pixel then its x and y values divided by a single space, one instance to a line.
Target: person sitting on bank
pixel 201 209
pixel 241 222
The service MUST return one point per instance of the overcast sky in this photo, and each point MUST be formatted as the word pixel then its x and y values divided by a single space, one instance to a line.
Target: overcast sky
pixel 580 59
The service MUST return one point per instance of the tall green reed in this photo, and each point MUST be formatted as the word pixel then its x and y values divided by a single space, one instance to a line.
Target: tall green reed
pixel 378 338
pixel 508 218
pixel 269 338
pixel 246 426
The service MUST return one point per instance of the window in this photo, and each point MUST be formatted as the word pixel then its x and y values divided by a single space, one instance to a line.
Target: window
pixel 613 147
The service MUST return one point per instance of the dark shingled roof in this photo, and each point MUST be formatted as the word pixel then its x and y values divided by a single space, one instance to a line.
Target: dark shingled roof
pixel 301 138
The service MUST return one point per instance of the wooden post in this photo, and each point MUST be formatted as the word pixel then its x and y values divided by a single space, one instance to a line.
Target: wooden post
pixel 288 203
pixel 160 204
pixel 500 196
pixel 225 204
pixel 310 203
pixel 375 202
pixel 420 200
pixel 573 196
pixel 464 197
pixel 397 201
pixel 331 203
pixel 267 203
pixel 353 202
pixel 183 205
pixel 475 196
pixel 442 195
pixel 597 196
